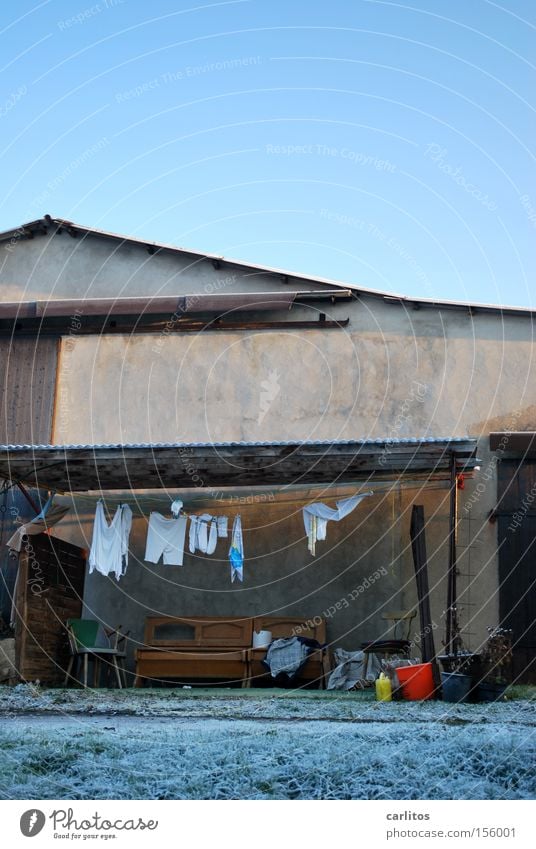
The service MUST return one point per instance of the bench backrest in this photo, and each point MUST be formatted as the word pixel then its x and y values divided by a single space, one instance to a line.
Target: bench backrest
pixel 291 627
pixel 198 631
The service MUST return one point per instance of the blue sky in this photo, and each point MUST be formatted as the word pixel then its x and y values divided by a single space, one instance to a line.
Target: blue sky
pixel 383 144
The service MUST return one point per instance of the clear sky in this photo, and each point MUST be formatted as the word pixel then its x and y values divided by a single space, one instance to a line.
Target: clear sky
pixel 379 143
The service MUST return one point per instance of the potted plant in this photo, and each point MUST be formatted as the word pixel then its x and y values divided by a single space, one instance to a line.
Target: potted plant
pixel 496 664
pixel 457 679
pixel 460 670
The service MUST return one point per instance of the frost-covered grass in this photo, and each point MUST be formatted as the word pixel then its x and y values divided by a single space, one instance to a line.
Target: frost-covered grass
pixel 244 759
pixel 232 744
pixel 258 703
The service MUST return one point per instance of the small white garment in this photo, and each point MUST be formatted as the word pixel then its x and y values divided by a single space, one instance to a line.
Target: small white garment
pixel 204 532
pixel 222 526
pixel 109 545
pixel 176 507
pixel 165 538
pixel 317 516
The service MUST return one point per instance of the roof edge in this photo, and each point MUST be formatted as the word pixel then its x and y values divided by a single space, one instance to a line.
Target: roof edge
pixel 42 226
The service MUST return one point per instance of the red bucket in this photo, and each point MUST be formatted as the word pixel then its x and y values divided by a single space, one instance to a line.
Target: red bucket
pixel 417 681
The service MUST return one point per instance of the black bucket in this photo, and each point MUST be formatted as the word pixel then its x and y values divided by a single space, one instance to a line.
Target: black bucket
pixel 455 686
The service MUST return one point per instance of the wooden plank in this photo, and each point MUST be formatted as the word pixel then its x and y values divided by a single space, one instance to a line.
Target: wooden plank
pixel 27 386
pixel 420 561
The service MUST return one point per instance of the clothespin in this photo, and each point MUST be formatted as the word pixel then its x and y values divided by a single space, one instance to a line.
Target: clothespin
pixel 176 507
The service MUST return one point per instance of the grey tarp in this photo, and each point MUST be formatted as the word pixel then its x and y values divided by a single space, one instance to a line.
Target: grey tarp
pixel 350 669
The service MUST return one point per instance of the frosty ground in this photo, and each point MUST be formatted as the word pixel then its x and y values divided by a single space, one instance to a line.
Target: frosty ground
pixel 260 744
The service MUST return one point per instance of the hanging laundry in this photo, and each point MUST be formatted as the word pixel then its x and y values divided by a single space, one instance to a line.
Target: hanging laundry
pixel 317 516
pixel 236 551
pixel 222 526
pixel 109 545
pixel 165 538
pixel 176 507
pixel 204 532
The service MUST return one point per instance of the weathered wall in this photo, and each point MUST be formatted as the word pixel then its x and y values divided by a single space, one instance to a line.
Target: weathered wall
pixel 64 267
pixel 393 372
pixel 388 374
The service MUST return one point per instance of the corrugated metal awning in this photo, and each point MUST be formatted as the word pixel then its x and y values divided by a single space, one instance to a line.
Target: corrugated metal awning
pixel 174 305
pixel 79 468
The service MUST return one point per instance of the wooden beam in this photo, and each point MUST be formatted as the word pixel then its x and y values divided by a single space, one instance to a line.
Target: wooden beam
pixel 420 561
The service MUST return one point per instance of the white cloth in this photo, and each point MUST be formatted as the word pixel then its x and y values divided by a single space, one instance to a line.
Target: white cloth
pixel 165 538
pixel 176 507
pixel 38 525
pixel 109 545
pixel 316 517
pixel 204 532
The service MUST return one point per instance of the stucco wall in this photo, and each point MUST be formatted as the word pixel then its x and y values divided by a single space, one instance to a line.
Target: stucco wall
pixel 394 372
pixel 91 266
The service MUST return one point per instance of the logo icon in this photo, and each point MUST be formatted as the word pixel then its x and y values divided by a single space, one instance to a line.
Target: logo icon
pixel 270 391
pixel 32 822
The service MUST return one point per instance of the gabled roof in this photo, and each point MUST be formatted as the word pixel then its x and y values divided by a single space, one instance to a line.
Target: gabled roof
pixel 48 224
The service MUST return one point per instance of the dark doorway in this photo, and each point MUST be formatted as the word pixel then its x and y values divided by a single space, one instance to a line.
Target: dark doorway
pixel 517 561
pixel 50 588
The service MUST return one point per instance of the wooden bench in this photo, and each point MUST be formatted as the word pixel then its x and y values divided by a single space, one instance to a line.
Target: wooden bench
pixel 194 647
pixel 317 666
pixel 220 648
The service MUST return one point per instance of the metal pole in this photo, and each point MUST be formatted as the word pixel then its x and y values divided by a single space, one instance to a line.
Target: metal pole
pixel 28 497
pixel 452 638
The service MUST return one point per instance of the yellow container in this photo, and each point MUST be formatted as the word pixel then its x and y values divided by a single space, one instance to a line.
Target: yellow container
pixel 383 688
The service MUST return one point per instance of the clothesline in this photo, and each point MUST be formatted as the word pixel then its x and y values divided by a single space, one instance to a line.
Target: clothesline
pixel 263 497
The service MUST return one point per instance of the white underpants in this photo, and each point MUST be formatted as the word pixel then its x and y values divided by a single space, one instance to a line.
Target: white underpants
pixel 165 538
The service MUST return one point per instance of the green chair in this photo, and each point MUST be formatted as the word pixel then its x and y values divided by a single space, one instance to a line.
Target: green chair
pixel 89 639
